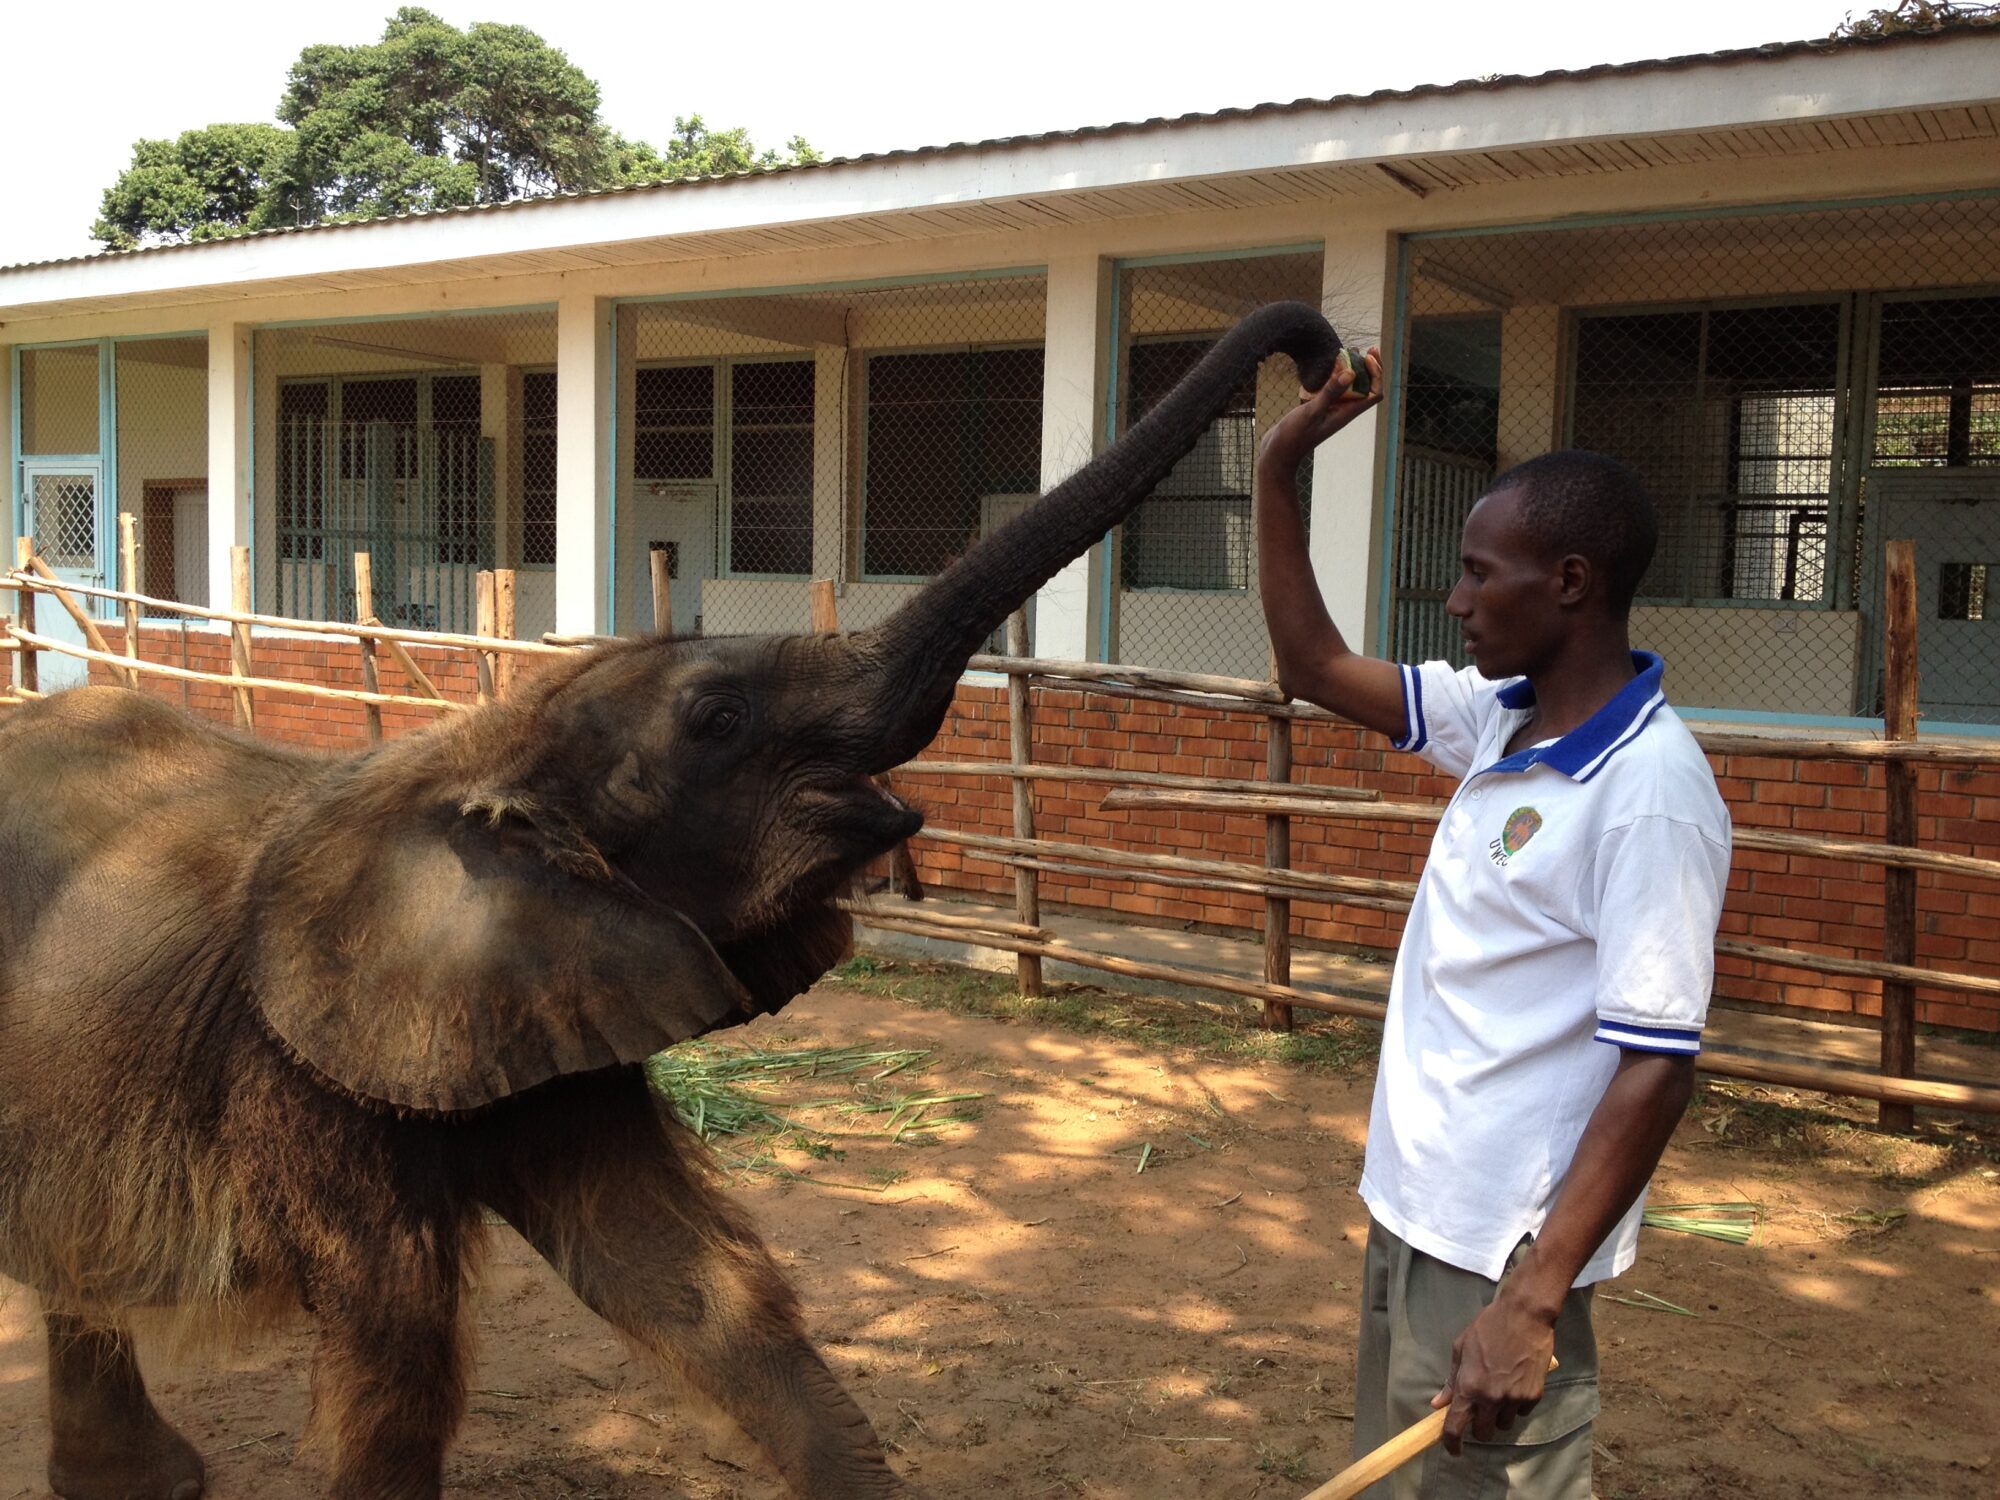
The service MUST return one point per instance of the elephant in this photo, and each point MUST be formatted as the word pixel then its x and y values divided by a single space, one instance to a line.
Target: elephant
pixel 280 1029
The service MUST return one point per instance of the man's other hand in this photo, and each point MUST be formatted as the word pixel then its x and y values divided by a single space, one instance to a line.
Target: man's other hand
pixel 1499 1366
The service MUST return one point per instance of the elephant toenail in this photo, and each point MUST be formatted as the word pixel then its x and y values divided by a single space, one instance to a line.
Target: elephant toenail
pixel 187 1489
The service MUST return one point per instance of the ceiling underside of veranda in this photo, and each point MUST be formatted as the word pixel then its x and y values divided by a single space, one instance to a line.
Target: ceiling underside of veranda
pixel 1398 176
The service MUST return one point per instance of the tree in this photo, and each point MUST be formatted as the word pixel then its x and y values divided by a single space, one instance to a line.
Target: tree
pixel 428 117
pixel 1919 15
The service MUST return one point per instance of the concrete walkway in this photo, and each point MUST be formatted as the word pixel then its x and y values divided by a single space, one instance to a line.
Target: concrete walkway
pixel 1745 1032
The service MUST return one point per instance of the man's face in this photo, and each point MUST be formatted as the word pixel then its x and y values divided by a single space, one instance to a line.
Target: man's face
pixel 1508 599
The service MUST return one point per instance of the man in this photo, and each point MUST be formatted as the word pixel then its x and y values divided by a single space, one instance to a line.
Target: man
pixel 1555 969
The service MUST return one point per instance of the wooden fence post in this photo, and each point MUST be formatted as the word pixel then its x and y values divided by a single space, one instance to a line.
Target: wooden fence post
pixel 239 634
pixel 902 865
pixel 1021 752
pixel 660 560
pixel 503 627
pixel 364 611
pixel 483 625
pixel 1277 856
pixel 128 572
pixel 24 557
pixel 1899 886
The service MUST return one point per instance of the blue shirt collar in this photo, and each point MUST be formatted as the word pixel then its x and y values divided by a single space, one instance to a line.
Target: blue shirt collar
pixel 1583 752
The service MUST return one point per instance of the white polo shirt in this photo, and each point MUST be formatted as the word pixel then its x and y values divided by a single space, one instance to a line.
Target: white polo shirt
pixel 1568 910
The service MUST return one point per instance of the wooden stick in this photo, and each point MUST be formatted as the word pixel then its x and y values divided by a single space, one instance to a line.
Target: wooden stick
pixel 1220 784
pixel 411 670
pixel 1899 886
pixel 1168 799
pixel 825 607
pixel 1246 886
pixel 943 921
pixel 239 635
pixel 483 624
pixel 1128 859
pixel 1245 688
pixel 75 611
pixel 31 667
pixel 128 574
pixel 1892 855
pixel 1228 984
pixel 229 680
pixel 1864 968
pixel 375 628
pixel 364 609
pixel 1277 856
pixel 660 561
pixel 1021 750
pixel 1386 1458
pixel 504 623
pixel 1912 752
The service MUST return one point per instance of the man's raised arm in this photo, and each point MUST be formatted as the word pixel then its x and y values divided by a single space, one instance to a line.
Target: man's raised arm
pixel 1314 662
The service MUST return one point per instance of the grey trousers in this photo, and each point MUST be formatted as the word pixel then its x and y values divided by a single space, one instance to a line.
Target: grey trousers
pixel 1412 1309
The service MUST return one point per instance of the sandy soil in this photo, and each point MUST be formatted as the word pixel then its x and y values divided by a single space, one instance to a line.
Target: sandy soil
pixel 1022 1313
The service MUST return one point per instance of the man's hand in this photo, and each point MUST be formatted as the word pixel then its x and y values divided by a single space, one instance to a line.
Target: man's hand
pixel 1498 1368
pixel 1320 414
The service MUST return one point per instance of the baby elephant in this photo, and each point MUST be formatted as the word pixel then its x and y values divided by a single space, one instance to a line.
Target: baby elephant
pixel 276 1028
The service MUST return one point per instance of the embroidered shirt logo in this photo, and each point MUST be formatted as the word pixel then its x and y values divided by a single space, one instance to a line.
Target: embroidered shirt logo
pixel 1522 824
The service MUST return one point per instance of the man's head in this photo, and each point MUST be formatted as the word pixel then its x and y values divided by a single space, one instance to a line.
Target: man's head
pixel 1557 546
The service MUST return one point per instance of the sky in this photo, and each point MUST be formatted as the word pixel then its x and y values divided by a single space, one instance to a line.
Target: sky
pixel 851 78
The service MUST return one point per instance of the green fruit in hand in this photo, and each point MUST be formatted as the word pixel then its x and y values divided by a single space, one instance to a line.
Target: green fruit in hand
pixel 1359 362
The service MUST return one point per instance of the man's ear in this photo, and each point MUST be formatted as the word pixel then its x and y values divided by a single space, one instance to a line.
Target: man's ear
pixel 1575 578
pixel 443 959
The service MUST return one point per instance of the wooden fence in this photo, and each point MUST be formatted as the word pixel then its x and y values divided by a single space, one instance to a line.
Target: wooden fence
pixel 1276 799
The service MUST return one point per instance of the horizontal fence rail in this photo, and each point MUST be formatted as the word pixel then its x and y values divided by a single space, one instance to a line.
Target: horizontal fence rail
pixel 1277 802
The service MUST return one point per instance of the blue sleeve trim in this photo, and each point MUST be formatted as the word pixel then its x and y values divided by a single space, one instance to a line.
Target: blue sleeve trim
pixel 1416 733
pixel 1636 1038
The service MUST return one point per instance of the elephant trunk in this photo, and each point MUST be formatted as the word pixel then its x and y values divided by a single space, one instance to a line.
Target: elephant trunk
pixel 912 661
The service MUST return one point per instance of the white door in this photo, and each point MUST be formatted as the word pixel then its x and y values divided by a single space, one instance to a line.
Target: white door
pixel 1954 516
pixel 61 513
pixel 679 518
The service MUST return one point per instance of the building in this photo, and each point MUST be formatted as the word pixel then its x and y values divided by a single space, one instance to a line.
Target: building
pixel 1768 278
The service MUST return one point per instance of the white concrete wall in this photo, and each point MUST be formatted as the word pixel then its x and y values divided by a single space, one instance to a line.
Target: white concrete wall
pixel 59 401
pixel 1794 661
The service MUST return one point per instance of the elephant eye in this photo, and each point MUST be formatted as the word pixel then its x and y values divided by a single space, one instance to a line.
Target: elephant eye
pixel 715 719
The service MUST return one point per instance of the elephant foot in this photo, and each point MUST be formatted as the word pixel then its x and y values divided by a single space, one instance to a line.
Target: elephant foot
pixel 110 1442
pixel 156 1463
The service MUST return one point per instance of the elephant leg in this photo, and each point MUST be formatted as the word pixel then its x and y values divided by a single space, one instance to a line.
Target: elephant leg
pixel 388 1386
pixel 109 1442
pixel 617 1198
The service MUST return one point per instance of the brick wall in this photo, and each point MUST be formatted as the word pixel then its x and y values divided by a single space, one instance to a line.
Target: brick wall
pixel 1778 899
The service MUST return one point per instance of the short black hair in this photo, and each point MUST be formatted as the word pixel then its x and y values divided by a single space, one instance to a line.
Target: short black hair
pixel 1577 501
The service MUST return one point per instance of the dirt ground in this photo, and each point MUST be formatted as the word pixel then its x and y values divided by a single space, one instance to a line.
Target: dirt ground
pixel 1024 1312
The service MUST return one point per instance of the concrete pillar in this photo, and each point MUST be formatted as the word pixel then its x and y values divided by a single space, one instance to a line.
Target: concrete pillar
pixel 231 522
pixel 830 464
pixel 1357 292
pixel 499 424
pixel 584 403
pixel 1530 384
pixel 1068 622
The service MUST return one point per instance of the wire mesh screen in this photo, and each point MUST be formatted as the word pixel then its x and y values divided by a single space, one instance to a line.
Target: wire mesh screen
pixel 1766 374
pixel 119 427
pixel 161 426
pixel 1185 560
pixel 427 443
pixel 866 435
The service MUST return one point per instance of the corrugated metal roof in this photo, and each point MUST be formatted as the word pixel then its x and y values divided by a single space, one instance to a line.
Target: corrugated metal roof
pixel 1768 52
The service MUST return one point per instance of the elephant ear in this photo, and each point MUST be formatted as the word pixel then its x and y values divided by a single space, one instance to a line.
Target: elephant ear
pixel 441 963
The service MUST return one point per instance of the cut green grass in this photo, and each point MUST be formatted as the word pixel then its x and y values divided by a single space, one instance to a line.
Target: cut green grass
pixel 1734 1223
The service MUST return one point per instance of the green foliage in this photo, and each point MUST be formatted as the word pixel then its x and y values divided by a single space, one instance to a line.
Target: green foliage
pixel 1918 15
pixel 429 117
